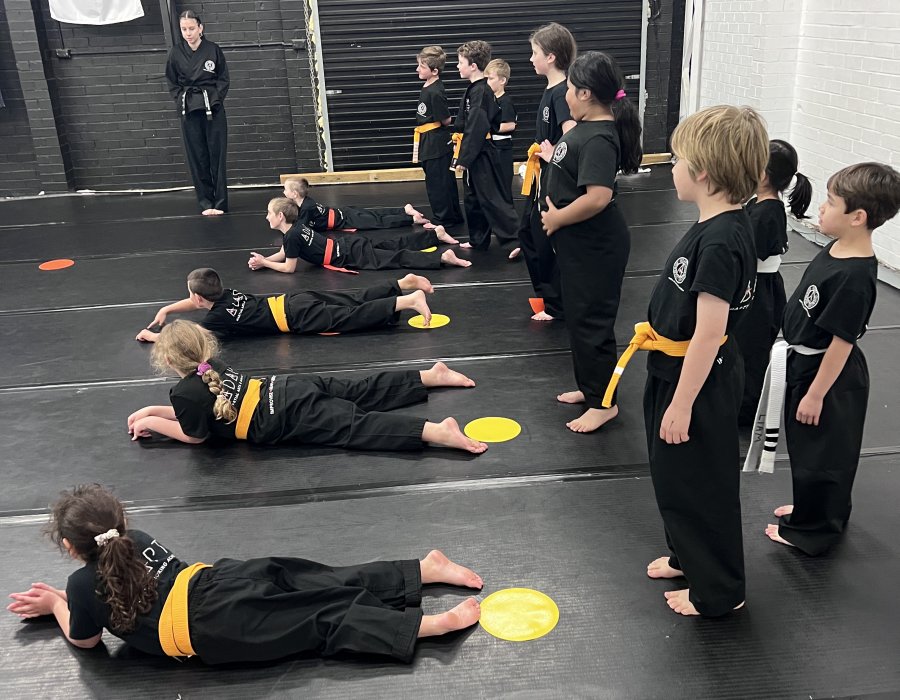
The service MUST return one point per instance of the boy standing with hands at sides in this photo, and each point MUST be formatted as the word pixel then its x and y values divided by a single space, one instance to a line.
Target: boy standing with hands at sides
pixel 497 74
pixel 487 208
pixel 827 378
pixel 431 139
pixel 695 370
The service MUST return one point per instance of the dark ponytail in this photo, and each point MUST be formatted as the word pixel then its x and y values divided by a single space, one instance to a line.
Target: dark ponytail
pixel 800 196
pixel 80 516
pixel 781 169
pixel 598 72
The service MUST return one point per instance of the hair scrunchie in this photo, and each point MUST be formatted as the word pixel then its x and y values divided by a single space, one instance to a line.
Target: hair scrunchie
pixel 105 537
pixel 203 368
pixel 620 95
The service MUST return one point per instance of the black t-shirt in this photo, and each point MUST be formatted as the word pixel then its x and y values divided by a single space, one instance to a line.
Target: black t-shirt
pixel 587 155
pixel 88 614
pixel 716 256
pixel 835 297
pixel 507 114
pixel 193 401
pixel 769 227
pixel 315 216
pixel 433 107
pixel 237 313
pixel 552 112
pixel 302 242
pixel 478 116
pixel 195 71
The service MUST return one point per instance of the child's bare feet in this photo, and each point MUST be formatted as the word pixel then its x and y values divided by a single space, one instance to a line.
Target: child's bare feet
pixel 592 419
pixel 772 534
pixel 413 212
pixel 543 316
pixel 784 510
pixel 463 615
pixel 441 375
pixel 212 212
pixel 466 245
pixel 514 253
pixel 448 257
pixel 448 434
pixel 570 397
pixel 659 568
pixel 437 568
pixel 443 236
pixel 417 301
pixel 412 281
pixel 680 602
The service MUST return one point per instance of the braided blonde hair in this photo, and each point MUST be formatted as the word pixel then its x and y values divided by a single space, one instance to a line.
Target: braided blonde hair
pixel 184 346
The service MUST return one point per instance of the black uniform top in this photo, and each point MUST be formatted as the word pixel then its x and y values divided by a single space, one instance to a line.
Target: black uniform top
pixel 587 155
pixel 478 116
pixel 769 227
pixel 507 114
pixel 193 401
pixel 304 243
pixel 552 112
pixel 196 71
pixel 716 256
pixel 835 297
pixel 315 215
pixel 433 107
pixel 88 614
pixel 237 313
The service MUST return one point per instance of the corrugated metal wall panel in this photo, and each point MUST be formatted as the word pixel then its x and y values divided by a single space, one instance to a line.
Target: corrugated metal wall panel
pixel 369 54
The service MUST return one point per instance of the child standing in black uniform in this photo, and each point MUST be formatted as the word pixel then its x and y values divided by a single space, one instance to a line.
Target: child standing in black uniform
pixel 487 209
pixel 827 378
pixel 233 611
pixel 759 329
pixel 214 400
pixel 497 75
pixel 587 229
pixel 346 253
pixel 198 82
pixel 431 139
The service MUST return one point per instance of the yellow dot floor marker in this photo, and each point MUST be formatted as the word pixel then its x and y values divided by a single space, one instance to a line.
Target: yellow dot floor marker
pixel 429 250
pixel 492 429
pixel 437 320
pixel 518 614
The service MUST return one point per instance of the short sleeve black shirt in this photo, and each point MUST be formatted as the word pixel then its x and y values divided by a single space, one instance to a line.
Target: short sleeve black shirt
pixel 302 242
pixel 587 155
pixel 193 402
pixel 553 111
pixel 769 227
pixel 433 107
pixel 237 313
pixel 507 114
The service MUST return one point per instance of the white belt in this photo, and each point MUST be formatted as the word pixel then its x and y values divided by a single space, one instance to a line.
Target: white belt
pixel 500 137
pixel 767 423
pixel 769 265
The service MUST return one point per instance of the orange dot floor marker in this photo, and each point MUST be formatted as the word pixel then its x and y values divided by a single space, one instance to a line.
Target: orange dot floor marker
pixel 59 264
pixel 330 333
pixel 492 429
pixel 437 320
pixel 537 304
pixel 518 614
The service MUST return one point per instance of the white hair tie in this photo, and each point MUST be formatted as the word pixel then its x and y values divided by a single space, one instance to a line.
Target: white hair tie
pixel 105 537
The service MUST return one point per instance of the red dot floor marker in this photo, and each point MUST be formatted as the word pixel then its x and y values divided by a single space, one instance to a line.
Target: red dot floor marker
pixel 59 264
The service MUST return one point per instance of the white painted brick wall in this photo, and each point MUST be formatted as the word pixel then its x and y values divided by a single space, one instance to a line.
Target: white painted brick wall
pixel 825 77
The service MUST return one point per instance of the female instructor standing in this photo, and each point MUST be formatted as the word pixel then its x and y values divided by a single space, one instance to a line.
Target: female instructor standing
pixel 198 82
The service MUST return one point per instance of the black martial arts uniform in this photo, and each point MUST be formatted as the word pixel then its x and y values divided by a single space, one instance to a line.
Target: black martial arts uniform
pixel 540 258
pixel 503 143
pixel 268 608
pixel 697 483
pixel 759 329
pixel 835 298
pixel 487 208
pixel 435 154
pixel 198 82
pixel 591 254
pixel 237 313
pixel 321 218
pixel 310 409
pixel 357 252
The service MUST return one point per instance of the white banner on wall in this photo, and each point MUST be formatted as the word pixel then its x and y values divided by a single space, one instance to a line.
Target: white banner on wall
pixel 95 11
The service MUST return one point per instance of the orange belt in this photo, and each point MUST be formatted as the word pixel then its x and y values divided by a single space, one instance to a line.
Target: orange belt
pixel 276 306
pixel 326 262
pixel 330 224
pixel 417 134
pixel 532 168
pixel 457 138
pixel 173 630
pixel 248 406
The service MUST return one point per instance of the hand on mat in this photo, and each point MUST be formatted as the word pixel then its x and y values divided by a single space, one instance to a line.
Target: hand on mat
pixel 33 602
pixel 546 152
pixel 809 410
pixel 550 218
pixel 136 416
pixel 159 319
pixel 139 428
pixel 256 261
pixel 674 426
pixel 147 336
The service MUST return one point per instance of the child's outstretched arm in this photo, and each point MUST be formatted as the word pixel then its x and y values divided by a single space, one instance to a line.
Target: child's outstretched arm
pixel 178 307
pixel 158 419
pixel 277 261
pixel 42 599
pixel 591 203
pixel 810 408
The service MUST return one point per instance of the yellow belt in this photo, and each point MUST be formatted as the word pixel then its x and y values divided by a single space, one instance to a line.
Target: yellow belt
pixel 457 138
pixel 276 306
pixel 248 406
pixel 173 630
pixel 645 338
pixel 417 133
pixel 532 168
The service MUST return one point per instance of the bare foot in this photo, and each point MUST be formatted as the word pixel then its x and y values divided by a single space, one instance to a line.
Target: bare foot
pixel 571 397
pixel 659 568
pixel 592 419
pixel 441 375
pixel 443 236
pixel 413 212
pixel 543 316
pixel 784 510
pixel 417 302
pixel 208 212
pixel 514 254
pixel 680 602
pixel 447 434
pixel 412 281
pixel 466 245
pixel 437 568
pixel 448 257
pixel 463 615
pixel 772 534
pixel 428 225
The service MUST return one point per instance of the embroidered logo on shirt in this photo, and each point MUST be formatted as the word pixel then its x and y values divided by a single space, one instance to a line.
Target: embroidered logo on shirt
pixel 560 152
pixel 747 298
pixel 422 109
pixel 209 66
pixel 810 299
pixel 679 272
pixel 546 115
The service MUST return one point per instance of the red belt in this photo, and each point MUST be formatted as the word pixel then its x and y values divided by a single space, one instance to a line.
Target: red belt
pixel 329 252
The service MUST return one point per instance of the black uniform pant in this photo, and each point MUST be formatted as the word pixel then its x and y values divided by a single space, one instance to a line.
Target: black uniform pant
pixel 487 209
pixel 206 145
pixel 391 253
pixel 697 485
pixel 824 458
pixel 755 335
pixel 505 170
pixel 537 249
pixel 343 312
pixel 387 217
pixel 266 609
pixel 592 257
pixel 443 193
